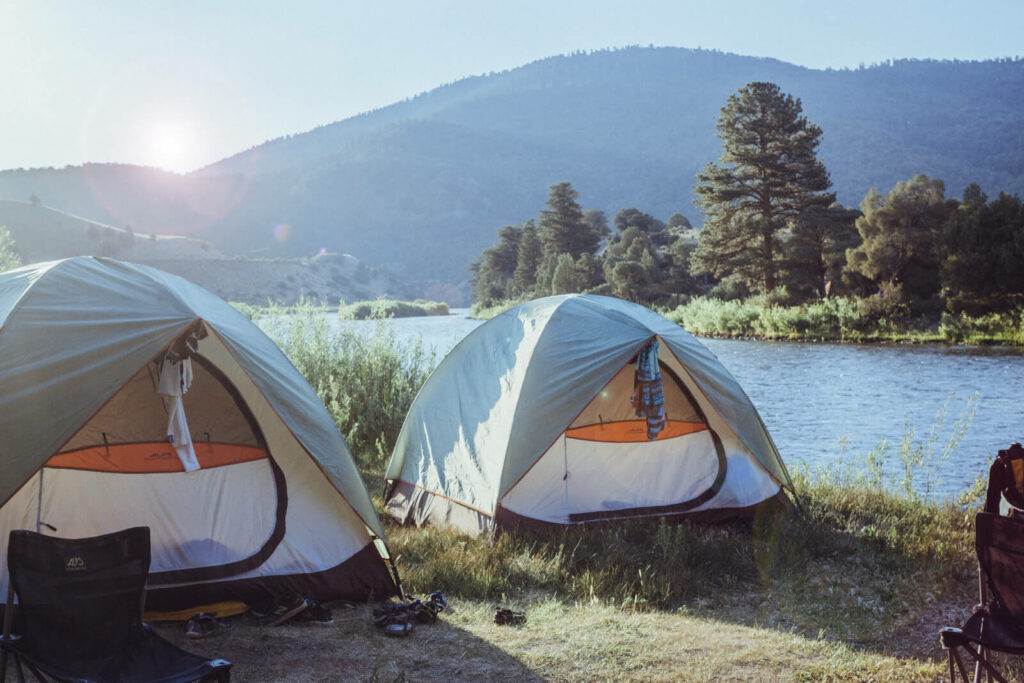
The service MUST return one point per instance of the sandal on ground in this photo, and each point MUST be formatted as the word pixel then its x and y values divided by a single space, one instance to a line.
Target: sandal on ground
pixel 398 628
pixel 203 625
pixel 506 617
pixel 393 620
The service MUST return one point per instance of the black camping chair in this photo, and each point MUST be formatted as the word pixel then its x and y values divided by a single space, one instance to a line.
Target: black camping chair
pixel 997 624
pixel 80 605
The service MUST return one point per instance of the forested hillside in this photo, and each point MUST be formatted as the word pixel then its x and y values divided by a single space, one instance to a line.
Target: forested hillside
pixel 423 185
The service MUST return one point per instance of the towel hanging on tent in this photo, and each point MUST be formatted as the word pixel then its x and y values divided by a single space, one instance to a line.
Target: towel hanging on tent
pixel 648 400
pixel 175 380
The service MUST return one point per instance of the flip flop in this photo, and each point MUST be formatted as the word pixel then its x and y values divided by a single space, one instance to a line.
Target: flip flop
pixel 398 628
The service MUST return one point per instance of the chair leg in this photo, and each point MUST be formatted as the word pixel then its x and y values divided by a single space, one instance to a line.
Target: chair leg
pixel 8 615
pixel 954 656
pixel 21 672
pixel 982 662
pixel 978 666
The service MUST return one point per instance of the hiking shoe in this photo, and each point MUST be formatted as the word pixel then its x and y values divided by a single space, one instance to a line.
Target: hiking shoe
pixel 316 613
pixel 276 612
pixel 203 625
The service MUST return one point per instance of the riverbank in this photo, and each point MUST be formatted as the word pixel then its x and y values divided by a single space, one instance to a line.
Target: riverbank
pixel 391 308
pixel 359 310
pixel 841 320
pixel 830 320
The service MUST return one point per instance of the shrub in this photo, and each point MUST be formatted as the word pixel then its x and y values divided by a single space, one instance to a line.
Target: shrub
pixel 367 381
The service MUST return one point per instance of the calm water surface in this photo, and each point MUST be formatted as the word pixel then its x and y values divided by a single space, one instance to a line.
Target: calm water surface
pixel 823 402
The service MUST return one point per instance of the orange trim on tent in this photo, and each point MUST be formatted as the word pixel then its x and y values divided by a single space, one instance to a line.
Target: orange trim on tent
pixel 632 431
pixel 152 457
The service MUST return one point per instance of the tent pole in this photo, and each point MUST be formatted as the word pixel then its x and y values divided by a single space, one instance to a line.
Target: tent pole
pixel 398 580
pixel 39 502
pixel 796 500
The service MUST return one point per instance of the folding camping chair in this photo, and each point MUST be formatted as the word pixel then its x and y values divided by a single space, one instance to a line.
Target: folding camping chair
pixel 997 624
pixel 80 605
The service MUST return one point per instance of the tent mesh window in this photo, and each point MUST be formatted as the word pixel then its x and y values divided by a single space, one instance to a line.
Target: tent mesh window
pixel 129 434
pixel 610 417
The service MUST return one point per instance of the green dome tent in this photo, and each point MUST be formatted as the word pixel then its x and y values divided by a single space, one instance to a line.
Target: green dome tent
pixel 258 494
pixel 529 420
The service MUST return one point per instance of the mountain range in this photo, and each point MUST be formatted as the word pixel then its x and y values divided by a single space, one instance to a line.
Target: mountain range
pixel 423 185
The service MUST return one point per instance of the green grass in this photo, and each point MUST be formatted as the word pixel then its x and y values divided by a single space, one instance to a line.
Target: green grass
pixel 850 566
pixel 854 587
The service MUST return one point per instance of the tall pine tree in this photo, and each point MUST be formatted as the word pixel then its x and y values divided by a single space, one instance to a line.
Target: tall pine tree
pixel 769 175
pixel 562 227
pixel 528 261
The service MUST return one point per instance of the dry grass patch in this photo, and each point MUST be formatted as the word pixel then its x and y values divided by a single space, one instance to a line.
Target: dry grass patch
pixel 563 642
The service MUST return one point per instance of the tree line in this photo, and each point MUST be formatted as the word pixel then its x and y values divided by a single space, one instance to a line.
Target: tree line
pixel 773 228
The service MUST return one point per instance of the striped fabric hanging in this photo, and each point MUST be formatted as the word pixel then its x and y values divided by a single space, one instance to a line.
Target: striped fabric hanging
pixel 647 399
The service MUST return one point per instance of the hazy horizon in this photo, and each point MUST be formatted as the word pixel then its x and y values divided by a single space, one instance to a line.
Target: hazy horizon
pixel 179 88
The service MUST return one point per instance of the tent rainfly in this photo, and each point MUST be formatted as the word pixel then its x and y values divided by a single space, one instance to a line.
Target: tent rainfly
pixel 530 421
pixel 255 495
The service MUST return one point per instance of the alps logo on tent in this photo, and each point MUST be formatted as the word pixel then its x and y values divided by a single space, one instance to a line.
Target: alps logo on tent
pixel 75 563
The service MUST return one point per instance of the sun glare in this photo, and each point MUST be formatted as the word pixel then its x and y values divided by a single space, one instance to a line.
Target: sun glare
pixel 171 146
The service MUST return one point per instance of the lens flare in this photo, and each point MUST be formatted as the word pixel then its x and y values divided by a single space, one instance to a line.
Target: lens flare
pixel 282 232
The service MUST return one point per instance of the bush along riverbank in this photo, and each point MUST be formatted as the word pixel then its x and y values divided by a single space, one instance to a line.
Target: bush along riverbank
pixel 843 320
pixel 359 310
pixel 860 578
pixel 836 319
pixel 391 308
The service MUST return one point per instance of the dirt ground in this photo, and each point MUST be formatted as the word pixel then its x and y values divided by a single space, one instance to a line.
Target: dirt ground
pixel 559 642
pixel 565 642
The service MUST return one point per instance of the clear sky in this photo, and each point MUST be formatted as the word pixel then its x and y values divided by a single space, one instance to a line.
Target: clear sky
pixel 182 83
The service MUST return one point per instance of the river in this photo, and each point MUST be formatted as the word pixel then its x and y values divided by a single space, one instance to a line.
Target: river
pixel 826 403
